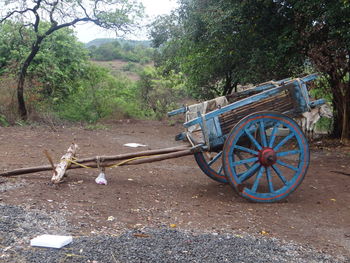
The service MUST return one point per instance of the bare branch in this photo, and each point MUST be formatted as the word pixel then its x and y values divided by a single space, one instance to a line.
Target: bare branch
pixel 54 28
pixel 84 9
pixel 15 12
pixel 54 5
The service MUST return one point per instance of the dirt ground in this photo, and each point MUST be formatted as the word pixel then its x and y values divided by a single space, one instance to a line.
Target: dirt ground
pixel 171 193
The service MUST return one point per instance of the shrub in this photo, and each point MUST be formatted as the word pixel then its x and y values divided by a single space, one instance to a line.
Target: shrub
pixel 100 95
pixel 161 94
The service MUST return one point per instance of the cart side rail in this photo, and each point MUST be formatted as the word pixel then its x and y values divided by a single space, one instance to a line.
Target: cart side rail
pixel 300 95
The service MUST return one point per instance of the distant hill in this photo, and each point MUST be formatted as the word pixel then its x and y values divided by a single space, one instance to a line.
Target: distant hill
pixel 99 41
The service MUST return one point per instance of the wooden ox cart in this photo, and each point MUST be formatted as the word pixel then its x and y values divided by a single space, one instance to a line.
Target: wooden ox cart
pixel 252 143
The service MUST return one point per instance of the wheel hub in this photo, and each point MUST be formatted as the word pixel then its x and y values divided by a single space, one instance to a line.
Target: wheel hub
pixel 267 156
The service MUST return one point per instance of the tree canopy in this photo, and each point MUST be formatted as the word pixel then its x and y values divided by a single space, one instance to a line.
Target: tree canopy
pixel 43 17
pixel 218 43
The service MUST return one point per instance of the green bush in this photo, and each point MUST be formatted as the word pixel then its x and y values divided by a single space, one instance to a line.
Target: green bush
pixel 99 96
pixel 3 121
pixel 161 94
pixel 136 53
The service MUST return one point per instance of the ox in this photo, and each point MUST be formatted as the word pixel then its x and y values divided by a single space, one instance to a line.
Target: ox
pixel 309 119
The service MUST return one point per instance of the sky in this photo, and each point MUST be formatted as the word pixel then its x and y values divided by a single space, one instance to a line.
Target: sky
pixel 153 8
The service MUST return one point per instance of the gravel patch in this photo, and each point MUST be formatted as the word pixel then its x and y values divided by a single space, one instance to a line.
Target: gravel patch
pixel 18 226
pixel 6 186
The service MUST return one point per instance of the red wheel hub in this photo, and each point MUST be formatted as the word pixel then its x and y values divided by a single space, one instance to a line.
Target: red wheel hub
pixel 267 156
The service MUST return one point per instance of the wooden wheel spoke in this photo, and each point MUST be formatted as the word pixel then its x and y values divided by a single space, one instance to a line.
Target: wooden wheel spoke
pixel 249 160
pixel 216 157
pixel 262 133
pixel 211 167
pixel 269 179
pixel 273 134
pixel 284 141
pixel 244 149
pixel 287 165
pixel 241 158
pixel 281 154
pixel 252 139
pixel 279 174
pixel 220 169
pixel 247 174
pixel 257 179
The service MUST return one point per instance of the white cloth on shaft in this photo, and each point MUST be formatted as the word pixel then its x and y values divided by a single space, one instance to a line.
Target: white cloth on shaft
pixel 203 108
pixel 101 179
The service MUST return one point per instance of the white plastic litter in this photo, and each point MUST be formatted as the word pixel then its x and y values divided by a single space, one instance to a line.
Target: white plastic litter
pixel 101 179
pixel 134 145
pixel 52 241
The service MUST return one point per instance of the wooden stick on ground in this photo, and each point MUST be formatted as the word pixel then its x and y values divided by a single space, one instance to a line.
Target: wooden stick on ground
pixel 155 155
pixel 62 166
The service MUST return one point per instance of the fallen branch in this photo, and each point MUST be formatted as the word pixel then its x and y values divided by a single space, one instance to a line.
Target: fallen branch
pixel 64 164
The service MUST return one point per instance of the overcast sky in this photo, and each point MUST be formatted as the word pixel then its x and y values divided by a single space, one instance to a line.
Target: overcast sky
pixel 88 32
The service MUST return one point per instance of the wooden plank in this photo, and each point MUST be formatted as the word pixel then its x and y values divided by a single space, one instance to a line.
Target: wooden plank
pixel 108 159
pixel 240 103
pixel 281 103
pixel 136 154
pixel 252 99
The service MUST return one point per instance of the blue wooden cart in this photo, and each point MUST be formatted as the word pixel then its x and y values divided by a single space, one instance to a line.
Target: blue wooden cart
pixel 253 143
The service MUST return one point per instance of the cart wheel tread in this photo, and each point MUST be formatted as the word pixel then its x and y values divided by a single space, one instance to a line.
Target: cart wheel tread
pixel 212 167
pixel 274 161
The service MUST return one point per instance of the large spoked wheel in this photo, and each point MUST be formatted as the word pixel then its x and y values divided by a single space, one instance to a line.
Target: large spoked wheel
pixel 211 165
pixel 266 157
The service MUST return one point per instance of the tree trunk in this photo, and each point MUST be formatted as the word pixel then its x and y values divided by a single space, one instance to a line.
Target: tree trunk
pixel 337 119
pixel 22 76
pixel 345 135
pixel 341 105
pixel 228 84
pixel 20 98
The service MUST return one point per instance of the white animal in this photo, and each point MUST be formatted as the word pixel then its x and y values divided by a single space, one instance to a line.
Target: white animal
pixel 309 119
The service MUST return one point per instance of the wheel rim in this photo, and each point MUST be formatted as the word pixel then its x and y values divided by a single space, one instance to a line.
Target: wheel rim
pixel 211 165
pixel 273 164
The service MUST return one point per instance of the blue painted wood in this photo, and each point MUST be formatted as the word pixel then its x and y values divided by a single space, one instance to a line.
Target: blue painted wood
pixel 215 133
pixel 257 97
pixel 177 111
pixel 180 137
pixel 316 103
pixel 309 77
pixel 264 87
pixel 301 97
pixel 261 182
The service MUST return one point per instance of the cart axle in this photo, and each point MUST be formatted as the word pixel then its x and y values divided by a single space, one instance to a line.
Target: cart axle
pixel 267 156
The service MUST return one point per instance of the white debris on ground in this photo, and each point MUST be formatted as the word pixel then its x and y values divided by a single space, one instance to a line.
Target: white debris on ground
pixel 134 145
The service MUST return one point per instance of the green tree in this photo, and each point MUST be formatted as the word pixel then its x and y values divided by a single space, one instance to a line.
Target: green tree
pixel 119 15
pixel 59 62
pixel 220 43
pixel 322 30
pixel 160 94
